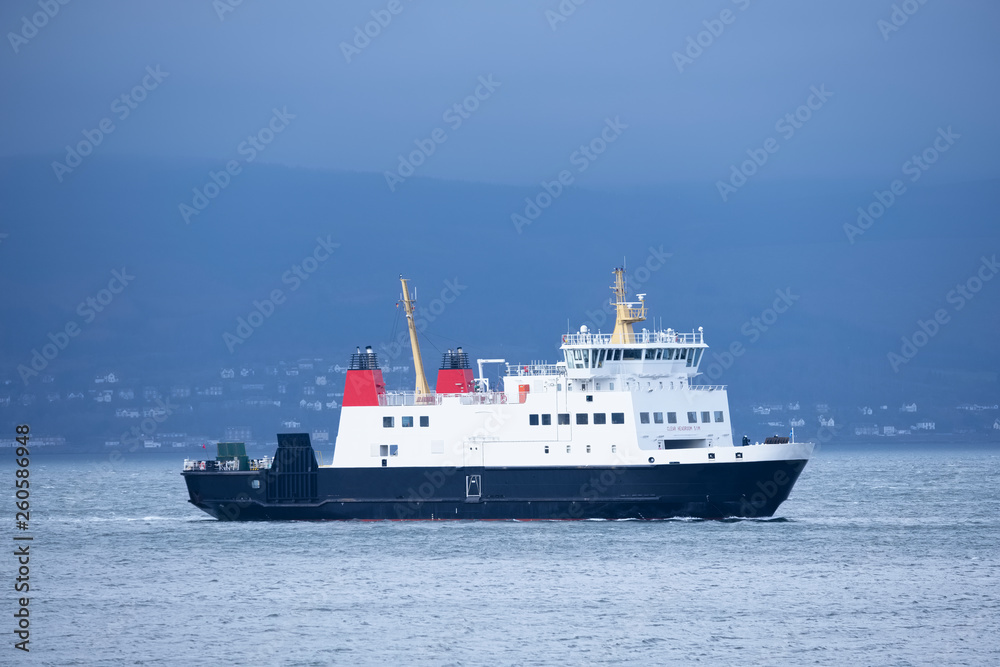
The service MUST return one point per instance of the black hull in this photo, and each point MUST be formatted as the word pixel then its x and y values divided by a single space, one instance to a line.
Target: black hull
pixel 700 490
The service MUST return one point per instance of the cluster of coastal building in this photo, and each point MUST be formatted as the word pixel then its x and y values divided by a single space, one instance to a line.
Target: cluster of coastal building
pixel 251 403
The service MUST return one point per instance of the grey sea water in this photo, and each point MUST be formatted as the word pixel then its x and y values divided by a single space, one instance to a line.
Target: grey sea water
pixel 878 557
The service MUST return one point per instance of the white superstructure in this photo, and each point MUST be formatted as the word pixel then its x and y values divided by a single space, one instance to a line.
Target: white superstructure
pixel 615 399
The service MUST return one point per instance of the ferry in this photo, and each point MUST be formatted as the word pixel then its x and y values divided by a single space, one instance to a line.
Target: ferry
pixel 618 428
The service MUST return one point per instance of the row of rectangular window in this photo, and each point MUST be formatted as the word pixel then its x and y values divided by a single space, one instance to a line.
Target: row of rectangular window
pixel 405 422
pixel 692 417
pixel 581 418
pixel 595 358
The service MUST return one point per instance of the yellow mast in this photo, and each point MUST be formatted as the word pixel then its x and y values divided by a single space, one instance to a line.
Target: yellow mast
pixel 418 364
pixel 626 315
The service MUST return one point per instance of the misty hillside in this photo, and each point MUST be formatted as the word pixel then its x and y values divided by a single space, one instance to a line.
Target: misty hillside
pixel 509 294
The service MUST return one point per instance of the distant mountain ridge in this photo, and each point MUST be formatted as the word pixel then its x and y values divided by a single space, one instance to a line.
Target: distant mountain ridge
pixel 482 284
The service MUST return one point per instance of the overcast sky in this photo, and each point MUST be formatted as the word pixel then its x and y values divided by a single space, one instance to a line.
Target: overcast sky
pixel 555 84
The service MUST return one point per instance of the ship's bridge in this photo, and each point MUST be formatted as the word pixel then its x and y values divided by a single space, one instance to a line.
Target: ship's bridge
pixel 664 352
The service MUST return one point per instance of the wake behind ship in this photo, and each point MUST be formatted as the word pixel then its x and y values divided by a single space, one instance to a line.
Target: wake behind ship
pixel 617 429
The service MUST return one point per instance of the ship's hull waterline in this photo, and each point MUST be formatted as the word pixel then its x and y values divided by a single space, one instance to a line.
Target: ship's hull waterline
pixel 699 490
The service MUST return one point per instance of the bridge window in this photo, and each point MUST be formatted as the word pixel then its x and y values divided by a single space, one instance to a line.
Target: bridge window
pixel 533 420
pixel 670 354
pixel 631 355
pixel 643 417
pixel 671 417
pixel 651 354
pixel 581 417
pixel 692 418
pixel 425 421
pixel 690 357
pixel 718 416
pixel 546 420
pixel 657 417
pixel 386 422
pixel 564 419
pixel 705 418
pixel 407 422
pixel 617 417
pixel 600 418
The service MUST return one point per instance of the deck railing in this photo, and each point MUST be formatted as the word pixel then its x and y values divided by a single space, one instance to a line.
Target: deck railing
pixel 529 370
pixel 637 338
pixel 401 398
pixel 484 398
